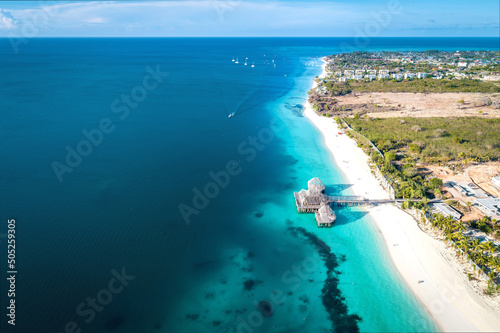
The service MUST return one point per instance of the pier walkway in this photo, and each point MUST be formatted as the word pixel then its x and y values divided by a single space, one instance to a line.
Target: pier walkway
pixel 354 200
pixel 314 200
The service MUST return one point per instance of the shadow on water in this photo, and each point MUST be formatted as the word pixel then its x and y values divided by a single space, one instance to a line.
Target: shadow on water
pixel 335 189
pixel 346 216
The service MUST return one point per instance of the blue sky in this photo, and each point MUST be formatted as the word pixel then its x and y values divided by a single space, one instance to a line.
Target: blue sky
pixel 376 18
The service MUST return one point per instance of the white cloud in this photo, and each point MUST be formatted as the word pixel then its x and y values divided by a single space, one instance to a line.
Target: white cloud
pixel 94 20
pixel 7 21
pixel 225 18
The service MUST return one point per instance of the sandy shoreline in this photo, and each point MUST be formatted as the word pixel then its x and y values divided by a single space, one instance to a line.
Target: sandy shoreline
pixel 446 292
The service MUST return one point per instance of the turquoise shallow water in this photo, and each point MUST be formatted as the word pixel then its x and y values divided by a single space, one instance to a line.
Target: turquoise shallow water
pixel 119 208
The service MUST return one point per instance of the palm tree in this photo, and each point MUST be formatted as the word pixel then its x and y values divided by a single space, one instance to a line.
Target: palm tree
pixel 494 263
pixel 449 237
pixel 481 261
pixel 489 247
pixel 464 246
pixel 459 227
pixel 475 244
pixel 458 236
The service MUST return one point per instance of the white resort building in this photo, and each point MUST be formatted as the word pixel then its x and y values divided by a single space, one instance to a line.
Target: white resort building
pixel 490 206
pixel 446 210
pixel 496 181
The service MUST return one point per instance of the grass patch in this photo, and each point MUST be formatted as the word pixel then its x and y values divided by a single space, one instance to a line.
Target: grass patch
pixel 434 140
pixel 427 85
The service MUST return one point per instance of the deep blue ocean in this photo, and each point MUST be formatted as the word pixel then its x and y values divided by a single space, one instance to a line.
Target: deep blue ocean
pixel 106 145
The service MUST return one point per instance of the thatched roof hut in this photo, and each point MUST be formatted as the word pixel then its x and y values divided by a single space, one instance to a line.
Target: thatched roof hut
pixel 325 216
pixel 315 186
pixel 310 200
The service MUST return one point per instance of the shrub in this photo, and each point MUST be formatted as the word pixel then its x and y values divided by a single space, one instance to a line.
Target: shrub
pixel 439 133
pixel 435 183
pixel 410 171
pixel 414 148
pixel 390 156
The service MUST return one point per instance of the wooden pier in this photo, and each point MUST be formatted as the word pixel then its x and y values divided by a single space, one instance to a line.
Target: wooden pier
pixel 354 200
pixel 314 200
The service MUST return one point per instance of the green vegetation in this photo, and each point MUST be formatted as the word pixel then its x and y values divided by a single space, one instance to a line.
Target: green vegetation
pixel 434 140
pixel 427 85
pixel 482 254
pixel 449 141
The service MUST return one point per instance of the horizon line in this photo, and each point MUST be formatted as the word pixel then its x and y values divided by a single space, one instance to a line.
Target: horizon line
pixel 41 37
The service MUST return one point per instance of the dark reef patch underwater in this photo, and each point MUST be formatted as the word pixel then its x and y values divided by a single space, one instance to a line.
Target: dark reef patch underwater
pixel 332 297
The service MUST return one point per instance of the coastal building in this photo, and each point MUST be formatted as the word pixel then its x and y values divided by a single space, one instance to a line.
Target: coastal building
pixel 321 90
pixel 325 217
pixel 348 72
pixel 462 64
pixel 357 77
pixel 338 73
pixel 343 79
pixel 314 200
pixel 397 76
pixel 445 210
pixel 310 200
pixel 470 190
pixel 496 181
pixel 490 206
pixel 383 72
pixel 359 72
pixel 421 75
pixel 383 76
pixel 372 72
pixel 409 75
pixel 491 78
pixel 462 190
pixel 371 77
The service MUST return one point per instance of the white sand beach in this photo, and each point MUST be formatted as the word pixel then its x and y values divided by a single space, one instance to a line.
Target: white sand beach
pixel 445 291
